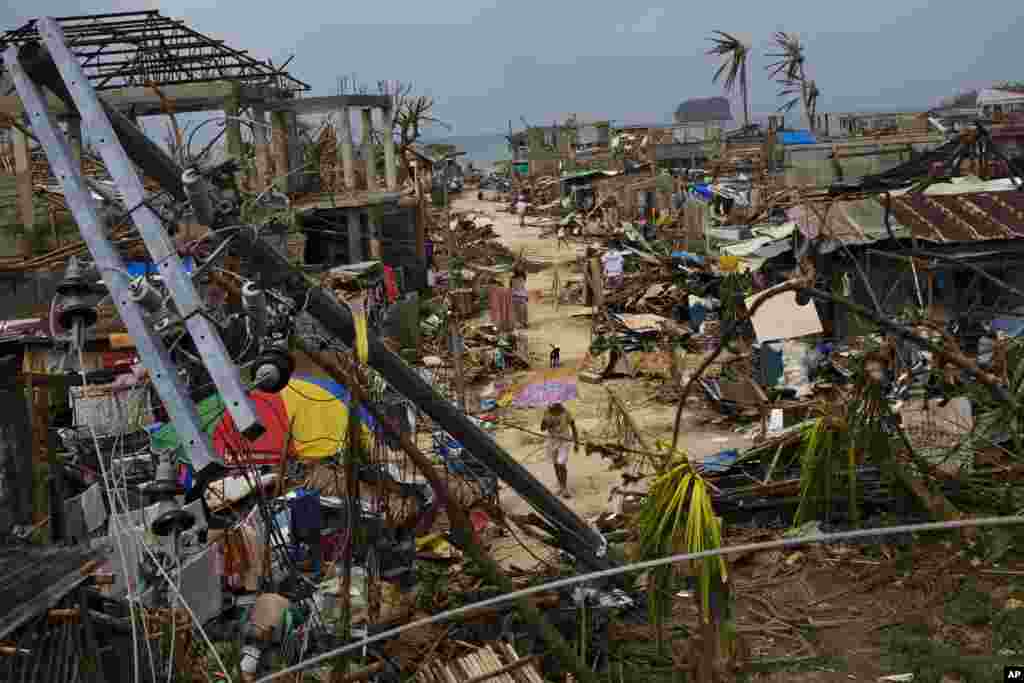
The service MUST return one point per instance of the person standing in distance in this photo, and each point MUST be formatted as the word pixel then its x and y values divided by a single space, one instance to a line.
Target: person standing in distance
pixel 558 424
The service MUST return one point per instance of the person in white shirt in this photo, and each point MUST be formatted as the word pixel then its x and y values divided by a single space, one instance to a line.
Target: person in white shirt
pixel 521 207
pixel 613 262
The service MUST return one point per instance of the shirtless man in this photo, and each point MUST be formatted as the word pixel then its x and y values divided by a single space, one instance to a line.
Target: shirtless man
pixel 559 425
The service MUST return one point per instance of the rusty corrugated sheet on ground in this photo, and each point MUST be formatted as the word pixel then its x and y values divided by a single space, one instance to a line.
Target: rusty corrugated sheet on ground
pixel 967 217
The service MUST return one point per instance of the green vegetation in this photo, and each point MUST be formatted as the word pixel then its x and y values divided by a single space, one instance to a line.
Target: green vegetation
pixel 677 516
pixel 914 648
pixel 43 237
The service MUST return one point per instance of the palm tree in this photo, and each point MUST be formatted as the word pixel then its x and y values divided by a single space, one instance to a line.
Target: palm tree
pixel 734 53
pixel 794 81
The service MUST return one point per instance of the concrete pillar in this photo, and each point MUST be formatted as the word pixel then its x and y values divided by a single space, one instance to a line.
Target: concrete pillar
pixel 355 238
pixel 279 148
pixel 295 153
pixel 23 181
pixel 232 107
pixel 390 165
pixel 347 166
pixel 369 151
pixel 261 149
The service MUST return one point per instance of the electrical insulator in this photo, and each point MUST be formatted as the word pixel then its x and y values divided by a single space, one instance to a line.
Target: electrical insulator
pixel 74 291
pixel 146 295
pixel 163 491
pixel 254 303
pixel 274 366
pixel 198 191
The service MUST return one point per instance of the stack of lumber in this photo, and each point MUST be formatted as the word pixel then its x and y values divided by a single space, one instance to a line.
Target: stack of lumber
pixel 497 662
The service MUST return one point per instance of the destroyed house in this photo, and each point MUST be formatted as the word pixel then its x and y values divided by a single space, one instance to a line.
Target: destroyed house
pixel 963 226
pixel 353 232
pixel 542 149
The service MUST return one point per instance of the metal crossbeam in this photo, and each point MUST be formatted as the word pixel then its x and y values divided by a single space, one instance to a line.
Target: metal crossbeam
pixel 179 284
pixel 82 204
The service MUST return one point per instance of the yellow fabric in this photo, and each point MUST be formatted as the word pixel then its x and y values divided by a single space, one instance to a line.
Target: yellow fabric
pixel 729 263
pixel 362 343
pixel 319 421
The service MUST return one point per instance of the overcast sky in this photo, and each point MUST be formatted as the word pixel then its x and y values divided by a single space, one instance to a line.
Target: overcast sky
pixel 488 61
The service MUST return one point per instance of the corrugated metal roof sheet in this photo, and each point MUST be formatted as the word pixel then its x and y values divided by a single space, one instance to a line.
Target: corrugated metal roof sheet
pixel 965 217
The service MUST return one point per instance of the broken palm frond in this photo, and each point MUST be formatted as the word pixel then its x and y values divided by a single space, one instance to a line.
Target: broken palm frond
pixel 621 429
pixel 677 516
pixel 842 438
pixel 1000 421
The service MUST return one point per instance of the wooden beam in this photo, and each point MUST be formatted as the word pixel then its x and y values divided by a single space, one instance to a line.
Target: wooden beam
pixel 144 101
pixel 23 179
pixel 369 150
pixel 329 103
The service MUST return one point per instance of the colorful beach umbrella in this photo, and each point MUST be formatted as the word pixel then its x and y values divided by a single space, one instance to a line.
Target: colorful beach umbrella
pixel 308 418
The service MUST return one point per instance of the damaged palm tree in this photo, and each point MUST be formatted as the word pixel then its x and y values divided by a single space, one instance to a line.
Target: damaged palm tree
pixel 735 55
pixel 794 81
pixel 677 517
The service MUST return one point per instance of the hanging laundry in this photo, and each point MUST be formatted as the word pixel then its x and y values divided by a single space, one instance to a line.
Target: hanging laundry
pixel 500 302
pixel 613 262
pixel 390 284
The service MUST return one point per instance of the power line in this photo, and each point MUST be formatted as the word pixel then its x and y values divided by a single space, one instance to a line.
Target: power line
pixel 641 566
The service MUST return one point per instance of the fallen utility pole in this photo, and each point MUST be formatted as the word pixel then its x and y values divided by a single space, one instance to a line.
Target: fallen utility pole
pixel 463 534
pixel 575 535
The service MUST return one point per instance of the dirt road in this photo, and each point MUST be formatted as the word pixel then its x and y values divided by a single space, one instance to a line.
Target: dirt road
pixel 590 478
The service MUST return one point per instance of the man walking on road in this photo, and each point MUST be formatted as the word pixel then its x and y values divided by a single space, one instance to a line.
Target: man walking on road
pixel 559 425
pixel 521 206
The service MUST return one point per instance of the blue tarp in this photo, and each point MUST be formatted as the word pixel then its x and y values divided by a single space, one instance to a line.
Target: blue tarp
pixel 137 268
pixel 703 190
pixel 687 256
pixel 797 137
pixel 722 461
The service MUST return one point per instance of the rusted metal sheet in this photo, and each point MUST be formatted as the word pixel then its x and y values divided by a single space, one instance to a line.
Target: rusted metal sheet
pixel 967 217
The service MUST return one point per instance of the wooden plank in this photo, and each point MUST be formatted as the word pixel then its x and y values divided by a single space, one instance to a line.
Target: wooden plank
pixel 40 424
pixel 525 661
pixel 26 611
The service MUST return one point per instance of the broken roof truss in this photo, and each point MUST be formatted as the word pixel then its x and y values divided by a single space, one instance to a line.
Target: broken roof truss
pixel 133 49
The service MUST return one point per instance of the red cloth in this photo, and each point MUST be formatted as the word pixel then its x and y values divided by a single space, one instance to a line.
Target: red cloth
pixel 390 284
pixel 501 308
